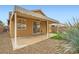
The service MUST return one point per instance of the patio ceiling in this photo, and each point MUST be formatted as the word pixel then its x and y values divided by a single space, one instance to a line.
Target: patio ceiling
pixel 32 14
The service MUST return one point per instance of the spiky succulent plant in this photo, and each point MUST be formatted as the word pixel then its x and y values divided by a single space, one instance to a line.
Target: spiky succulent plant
pixel 72 35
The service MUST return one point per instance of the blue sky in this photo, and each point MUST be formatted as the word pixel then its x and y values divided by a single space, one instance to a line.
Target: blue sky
pixel 62 13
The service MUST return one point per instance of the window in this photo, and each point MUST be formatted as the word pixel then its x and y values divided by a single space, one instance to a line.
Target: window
pixel 21 24
pixel 53 25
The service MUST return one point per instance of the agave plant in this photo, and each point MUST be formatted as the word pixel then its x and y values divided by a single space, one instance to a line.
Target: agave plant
pixel 72 35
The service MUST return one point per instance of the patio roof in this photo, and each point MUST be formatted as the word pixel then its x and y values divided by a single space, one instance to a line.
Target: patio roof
pixel 29 12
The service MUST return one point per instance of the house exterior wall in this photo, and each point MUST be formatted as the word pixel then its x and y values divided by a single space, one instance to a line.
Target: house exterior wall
pixel 29 28
pixel 43 24
pixel 43 27
pixel 1 29
pixel 49 26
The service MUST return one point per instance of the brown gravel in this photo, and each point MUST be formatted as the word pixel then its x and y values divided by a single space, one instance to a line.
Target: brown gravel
pixel 48 46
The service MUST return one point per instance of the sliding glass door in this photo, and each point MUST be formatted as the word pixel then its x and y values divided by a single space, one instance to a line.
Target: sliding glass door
pixel 36 27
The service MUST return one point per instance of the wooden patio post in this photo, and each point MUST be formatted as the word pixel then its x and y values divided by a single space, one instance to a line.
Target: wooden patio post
pixel 15 35
pixel 10 28
pixel 57 27
pixel 47 29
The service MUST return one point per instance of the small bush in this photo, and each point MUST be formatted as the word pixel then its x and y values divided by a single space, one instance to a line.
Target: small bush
pixel 58 36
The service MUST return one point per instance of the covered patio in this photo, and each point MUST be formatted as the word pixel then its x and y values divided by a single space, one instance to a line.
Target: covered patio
pixel 28 27
pixel 26 41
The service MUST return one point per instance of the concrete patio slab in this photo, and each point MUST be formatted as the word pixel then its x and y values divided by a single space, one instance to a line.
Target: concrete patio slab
pixel 26 41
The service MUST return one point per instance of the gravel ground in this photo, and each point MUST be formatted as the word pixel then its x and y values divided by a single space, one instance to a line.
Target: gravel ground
pixel 48 46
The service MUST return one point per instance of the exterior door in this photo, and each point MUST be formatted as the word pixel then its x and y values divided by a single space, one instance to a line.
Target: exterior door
pixel 36 27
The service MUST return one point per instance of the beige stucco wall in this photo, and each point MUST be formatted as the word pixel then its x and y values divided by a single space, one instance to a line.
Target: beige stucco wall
pixel 43 27
pixel 28 30
pixel 49 28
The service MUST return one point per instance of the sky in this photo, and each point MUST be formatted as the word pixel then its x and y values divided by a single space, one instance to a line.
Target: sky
pixel 62 13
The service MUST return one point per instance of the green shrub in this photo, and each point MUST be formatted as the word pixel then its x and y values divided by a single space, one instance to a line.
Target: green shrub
pixel 58 36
